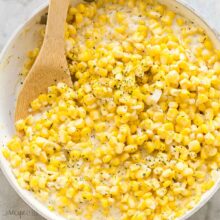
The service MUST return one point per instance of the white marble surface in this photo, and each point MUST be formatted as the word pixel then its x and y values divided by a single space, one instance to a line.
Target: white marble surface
pixel 13 13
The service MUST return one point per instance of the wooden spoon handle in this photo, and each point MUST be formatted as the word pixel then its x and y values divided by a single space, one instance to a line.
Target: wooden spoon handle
pixel 56 19
pixel 53 48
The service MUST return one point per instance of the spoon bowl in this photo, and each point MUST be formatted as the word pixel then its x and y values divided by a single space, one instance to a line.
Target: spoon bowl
pixel 50 66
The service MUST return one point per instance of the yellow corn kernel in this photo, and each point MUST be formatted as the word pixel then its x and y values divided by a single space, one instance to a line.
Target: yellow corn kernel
pixel 15 161
pixel 131 148
pixel 104 203
pixel 180 21
pixel 149 146
pixel 78 18
pixel 195 146
pixel 119 17
pixel 85 56
pixel 107 158
pixel 20 125
pixel 173 77
pixel 209 139
pixel 94 115
pixel 172 113
pixel 15 144
pixel 115 161
pixel 202 98
pixel 207 185
pixel 6 153
pixel 217 67
pixel 87 196
pixel 34 182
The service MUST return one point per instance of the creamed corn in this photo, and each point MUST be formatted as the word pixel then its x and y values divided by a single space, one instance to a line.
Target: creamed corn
pixel 138 135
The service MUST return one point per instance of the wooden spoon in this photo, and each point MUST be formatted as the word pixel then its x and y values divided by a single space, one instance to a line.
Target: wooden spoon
pixel 50 66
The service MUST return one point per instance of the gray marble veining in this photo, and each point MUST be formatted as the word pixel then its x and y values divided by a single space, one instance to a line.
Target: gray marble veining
pixel 13 13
